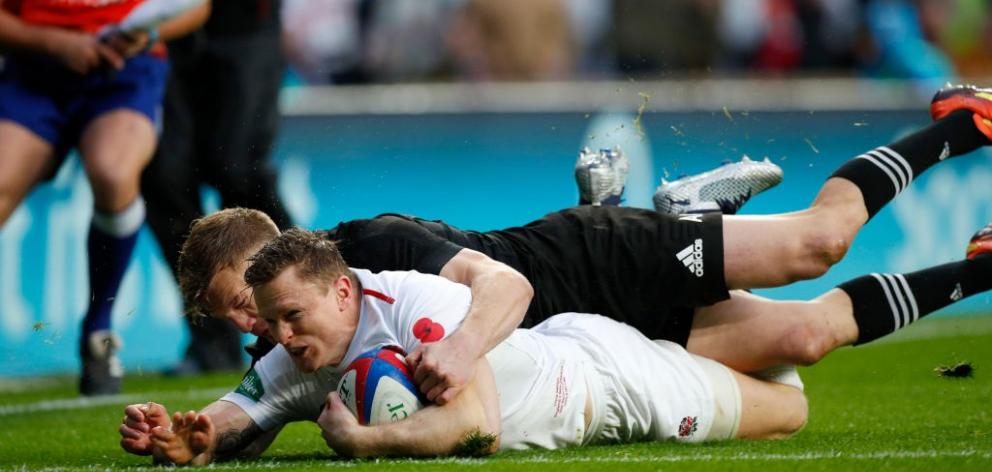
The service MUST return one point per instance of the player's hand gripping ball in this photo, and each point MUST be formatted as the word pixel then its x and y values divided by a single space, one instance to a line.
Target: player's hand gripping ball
pixel 378 387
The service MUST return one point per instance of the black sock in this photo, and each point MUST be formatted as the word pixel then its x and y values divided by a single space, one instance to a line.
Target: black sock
pixel 887 170
pixel 884 303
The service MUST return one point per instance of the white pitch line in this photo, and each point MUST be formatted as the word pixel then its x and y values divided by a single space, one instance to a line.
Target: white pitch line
pixel 82 403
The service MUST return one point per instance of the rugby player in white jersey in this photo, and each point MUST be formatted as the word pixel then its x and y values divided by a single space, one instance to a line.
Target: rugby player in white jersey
pixel 573 380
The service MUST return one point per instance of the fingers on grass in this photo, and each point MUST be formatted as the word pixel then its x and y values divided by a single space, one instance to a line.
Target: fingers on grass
pixel 129 432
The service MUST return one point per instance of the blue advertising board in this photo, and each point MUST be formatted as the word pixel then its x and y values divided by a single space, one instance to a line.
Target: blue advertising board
pixel 479 171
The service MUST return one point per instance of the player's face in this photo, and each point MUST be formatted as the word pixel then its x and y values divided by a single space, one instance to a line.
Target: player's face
pixel 229 298
pixel 315 323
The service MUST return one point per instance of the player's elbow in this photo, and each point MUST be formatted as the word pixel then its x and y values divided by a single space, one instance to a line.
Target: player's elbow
pixel 521 286
pixel 514 289
pixel 482 419
pixel 481 439
pixel 493 424
pixel 477 444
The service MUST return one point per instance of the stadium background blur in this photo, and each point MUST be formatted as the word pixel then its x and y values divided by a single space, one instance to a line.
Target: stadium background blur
pixel 473 111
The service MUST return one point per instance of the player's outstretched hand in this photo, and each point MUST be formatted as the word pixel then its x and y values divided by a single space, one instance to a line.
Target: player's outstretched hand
pixel 442 369
pixel 81 52
pixel 139 420
pixel 339 427
pixel 192 434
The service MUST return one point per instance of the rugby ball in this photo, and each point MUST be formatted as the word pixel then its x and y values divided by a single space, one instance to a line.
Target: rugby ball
pixel 378 387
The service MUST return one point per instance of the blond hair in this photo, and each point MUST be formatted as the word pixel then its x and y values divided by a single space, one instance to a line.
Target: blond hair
pixel 221 240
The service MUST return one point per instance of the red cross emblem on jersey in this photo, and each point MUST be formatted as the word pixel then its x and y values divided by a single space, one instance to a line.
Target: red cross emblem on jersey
pixel 427 331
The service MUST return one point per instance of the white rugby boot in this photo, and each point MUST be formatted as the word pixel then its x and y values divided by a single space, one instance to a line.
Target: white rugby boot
pixel 725 189
pixel 601 176
pixel 102 369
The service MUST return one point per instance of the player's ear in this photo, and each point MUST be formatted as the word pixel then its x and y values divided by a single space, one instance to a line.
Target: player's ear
pixel 343 291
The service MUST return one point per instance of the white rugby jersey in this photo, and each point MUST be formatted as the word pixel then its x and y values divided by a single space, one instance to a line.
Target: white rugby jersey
pixel 398 309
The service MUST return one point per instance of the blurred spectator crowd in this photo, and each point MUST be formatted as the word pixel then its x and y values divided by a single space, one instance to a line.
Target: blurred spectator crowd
pixel 383 41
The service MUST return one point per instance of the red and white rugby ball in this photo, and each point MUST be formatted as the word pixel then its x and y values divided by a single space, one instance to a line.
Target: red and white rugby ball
pixel 378 387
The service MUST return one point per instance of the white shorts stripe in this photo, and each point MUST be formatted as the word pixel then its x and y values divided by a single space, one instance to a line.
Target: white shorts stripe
pixel 910 296
pixel 896 157
pixel 874 160
pixel 900 297
pixel 888 296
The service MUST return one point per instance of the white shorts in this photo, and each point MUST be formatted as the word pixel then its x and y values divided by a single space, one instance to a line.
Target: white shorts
pixel 726 399
pixel 643 390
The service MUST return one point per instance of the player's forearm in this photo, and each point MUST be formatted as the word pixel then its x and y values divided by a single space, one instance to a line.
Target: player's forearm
pixel 238 437
pixel 17 36
pixel 238 450
pixel 436 430
pixel 231 445
pixel 415 438
pixel 500 298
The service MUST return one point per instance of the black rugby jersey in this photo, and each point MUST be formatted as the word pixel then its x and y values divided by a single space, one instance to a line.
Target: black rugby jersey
pixel 616 261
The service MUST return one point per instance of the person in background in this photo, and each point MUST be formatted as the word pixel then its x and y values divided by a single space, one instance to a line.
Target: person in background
pixel 512 40
pixel 63 87
pixel 653 37
pixel 784 36
pixel 902 43
pixel 221 117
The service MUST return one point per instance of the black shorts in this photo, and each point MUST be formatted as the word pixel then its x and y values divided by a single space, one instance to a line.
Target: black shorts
pixel 643 268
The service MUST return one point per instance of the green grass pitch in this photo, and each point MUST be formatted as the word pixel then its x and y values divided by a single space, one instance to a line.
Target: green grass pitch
pixel 875 407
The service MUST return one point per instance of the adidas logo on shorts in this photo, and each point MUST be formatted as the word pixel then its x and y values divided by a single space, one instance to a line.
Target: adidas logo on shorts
pixel 692 257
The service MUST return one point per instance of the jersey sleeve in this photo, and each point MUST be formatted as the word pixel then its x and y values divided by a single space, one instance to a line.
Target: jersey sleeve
pixel 266 391
pixel 393 242
pixel 429 309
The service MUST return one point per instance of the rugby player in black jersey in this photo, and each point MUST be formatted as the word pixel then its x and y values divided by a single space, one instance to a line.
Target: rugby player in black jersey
pixel 673 277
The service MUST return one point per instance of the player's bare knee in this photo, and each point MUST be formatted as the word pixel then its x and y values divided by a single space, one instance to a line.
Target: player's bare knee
pixel 791 411
pixel 834 247
pixel 112 182
pixel 783 411
pixel 798 409
pixel 821 249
